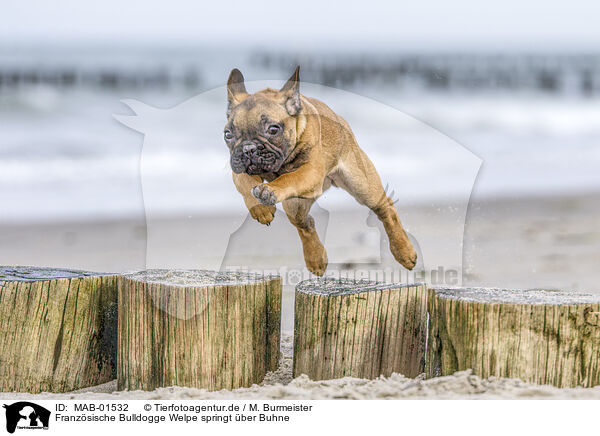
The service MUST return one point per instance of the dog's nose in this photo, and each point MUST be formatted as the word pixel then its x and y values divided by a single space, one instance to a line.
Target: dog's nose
pixel 247 148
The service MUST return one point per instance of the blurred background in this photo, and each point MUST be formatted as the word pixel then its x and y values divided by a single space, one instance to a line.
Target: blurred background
pixel 517 84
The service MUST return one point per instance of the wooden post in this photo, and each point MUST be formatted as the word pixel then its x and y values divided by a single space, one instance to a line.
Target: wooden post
pixel 58 329
pixel 204 329
pixel 359 329
pixel 544 337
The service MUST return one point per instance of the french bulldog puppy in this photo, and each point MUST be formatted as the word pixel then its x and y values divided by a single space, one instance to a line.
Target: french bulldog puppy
pixel 287 148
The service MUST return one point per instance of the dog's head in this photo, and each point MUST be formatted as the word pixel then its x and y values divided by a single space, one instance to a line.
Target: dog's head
pixel 261 127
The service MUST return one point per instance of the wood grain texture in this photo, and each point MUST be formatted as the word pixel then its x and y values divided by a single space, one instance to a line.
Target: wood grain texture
pixel 197 329
pixel 58 329
pixel 543 337
pixel 359 329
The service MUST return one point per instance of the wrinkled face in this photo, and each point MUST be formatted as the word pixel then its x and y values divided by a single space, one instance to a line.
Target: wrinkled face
pixel 260 134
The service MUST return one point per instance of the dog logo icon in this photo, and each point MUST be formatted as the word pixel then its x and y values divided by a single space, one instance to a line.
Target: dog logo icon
pixel 26 415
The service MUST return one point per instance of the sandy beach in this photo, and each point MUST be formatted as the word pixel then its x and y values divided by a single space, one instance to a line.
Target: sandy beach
pixel 537 242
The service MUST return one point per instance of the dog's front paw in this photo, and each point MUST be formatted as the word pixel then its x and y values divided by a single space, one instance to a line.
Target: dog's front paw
pixel 265 194
pixel 263 214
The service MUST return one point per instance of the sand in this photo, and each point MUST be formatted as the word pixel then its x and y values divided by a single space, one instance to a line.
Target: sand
pixel 527 242
pixel 543 243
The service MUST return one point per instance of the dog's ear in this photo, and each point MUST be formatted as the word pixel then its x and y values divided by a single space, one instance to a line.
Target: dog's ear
pixel 291 93
pixel 236 90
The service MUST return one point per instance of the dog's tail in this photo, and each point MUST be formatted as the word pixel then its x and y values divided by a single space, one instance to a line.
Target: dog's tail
pixel 390 193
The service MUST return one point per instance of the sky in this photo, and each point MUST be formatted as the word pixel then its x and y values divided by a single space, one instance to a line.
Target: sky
pixel 463 24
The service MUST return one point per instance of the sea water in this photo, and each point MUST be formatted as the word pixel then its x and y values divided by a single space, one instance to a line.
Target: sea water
pixel 435 127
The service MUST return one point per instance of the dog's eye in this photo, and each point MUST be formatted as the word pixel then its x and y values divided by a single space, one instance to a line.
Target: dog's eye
pixel 273 129
pixel 228 135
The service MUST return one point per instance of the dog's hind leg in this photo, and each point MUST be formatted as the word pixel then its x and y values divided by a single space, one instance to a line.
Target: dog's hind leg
pixel 315 255
pixel 357 175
